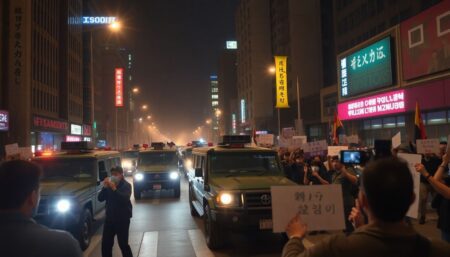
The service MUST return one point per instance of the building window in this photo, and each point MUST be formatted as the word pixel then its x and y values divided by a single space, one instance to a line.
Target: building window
pixel 389 122
pixel 215 103
pixel 376 124
pixel 436 117
pixel 401 121
pixel 215 90
pixel 214 96
pixel 315 131
pixel 366 124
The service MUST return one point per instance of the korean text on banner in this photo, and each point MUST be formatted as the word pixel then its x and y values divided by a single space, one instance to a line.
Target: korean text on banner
pixel 281 81
pixel 320 206
pixel 315 148
pixel 427 146
pixel 119 87
pixel 412 159
pixel 336 150
pixel 397 140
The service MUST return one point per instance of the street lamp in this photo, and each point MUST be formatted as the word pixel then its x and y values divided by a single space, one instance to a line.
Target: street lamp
pixel 144 107
pixel 115 26
pixel 141 119
pixel 136 90
pixel 271 69
pixel 149 117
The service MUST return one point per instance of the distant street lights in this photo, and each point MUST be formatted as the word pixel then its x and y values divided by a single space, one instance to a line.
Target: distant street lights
pixel 135 90
pixel 144 107
pixel 149 117
pixel 115 26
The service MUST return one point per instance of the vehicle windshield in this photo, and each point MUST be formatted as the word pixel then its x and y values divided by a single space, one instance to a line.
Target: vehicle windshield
pixel 65 168
pixel 247 163
pixel 158 158
pixel 130 154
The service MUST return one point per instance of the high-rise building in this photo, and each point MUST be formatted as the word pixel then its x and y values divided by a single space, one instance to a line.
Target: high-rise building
pixel 255 84
pixel 44 92
pixel 216 113
pixel 228 102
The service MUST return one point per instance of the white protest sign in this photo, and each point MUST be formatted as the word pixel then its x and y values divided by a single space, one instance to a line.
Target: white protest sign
pixel 412 159
pixel 427 146
pixel 266 139
pixel 288 132
pixel 396 140
pixel 320 206
pixel 316 147
pixel 336 150
pixel 298 141
pixel 353 139
pixel 12 149
pixel 25 153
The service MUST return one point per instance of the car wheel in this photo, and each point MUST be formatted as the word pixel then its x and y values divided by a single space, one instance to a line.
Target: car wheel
pixel 194 212
pixel 213 234
pixel 137 194
pixel 84 229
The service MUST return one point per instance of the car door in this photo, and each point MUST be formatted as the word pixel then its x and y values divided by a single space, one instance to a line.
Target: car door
pixel 101 167
pixel 199 181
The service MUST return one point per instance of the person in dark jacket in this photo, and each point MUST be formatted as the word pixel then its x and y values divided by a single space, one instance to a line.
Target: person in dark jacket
pixel 116 192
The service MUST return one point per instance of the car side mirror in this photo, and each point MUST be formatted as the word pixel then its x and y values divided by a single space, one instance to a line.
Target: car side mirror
pixel 198 172
pixel 103 175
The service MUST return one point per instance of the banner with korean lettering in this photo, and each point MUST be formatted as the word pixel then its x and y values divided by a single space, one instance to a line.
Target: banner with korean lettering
pixel 281 81
pixel 119 87
pixel 321 207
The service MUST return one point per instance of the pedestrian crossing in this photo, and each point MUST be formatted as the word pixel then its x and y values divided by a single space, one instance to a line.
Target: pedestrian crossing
pixel 172 243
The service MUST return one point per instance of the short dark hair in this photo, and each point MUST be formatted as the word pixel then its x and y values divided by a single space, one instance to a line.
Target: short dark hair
pixel 18 179
pixel 388 185
pixel 117 169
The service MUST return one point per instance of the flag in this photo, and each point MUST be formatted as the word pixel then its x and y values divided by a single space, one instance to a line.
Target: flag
pixel 419 128
pixel 254 137
pixel 338 128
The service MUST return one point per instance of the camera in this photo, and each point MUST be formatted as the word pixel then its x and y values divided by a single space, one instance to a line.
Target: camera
pixel 353 157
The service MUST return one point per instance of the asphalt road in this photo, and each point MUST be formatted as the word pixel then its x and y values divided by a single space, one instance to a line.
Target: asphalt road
pixel 163 227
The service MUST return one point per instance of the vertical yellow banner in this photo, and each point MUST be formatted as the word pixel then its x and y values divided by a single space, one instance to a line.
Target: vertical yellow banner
pixel 281 81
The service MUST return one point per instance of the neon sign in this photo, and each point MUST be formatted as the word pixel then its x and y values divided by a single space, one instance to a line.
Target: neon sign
pixel 119 87
pixel 376 105
pixel 98 20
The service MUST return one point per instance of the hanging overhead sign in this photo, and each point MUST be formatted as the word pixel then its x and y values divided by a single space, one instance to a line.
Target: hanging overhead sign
pixel 281 81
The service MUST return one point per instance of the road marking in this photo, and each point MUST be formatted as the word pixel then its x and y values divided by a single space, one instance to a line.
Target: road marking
pixel 95 240
pixel 199 243
pixel 149 246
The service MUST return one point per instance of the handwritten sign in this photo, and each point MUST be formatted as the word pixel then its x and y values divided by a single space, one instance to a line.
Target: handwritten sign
pixel 288 132
pixel 353 139
pixel 428 146
pixel 315 148
pixel 320 206
pixel 412 159
pixel 265 140
pixel 25 153
pixel 336 150
pixel 396 140
pixel 12 149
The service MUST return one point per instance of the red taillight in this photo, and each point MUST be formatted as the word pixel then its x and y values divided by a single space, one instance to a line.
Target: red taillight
pixel 210 144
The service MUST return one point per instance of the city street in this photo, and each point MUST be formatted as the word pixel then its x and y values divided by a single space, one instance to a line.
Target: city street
pixel 163 227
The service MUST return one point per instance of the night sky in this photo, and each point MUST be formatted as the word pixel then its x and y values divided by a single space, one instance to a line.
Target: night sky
pixel 176 45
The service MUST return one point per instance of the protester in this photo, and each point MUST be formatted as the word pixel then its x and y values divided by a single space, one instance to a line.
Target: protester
pixel 317 174
pixel 344 177
pixel 297 169
pixel 19 234
pixel 116 192
pixel 387 191
pixel 441 183
pixel 431 163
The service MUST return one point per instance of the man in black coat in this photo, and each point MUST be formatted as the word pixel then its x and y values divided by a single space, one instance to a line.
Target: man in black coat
pixel 116 192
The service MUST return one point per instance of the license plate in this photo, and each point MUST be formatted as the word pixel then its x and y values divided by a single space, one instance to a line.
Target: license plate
pixel 157 187
pixel 265 224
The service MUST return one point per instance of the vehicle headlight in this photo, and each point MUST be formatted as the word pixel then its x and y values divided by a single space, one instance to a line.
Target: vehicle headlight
pixel 225 199
pixel 63 206
pixel 127 164
pixel 139 177
pixel 173 175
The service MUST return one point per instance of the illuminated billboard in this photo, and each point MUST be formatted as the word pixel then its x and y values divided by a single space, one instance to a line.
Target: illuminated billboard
pixel 4 120
pixel 119 87
pixel 232 45
pixel 367 69
pixel 98 20
pixel 376 105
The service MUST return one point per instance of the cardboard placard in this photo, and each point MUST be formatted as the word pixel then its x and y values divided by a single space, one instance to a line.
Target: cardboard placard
pixel 428 146
pixel 298 141
pixel 265 140
pixel 288 133
pixel 412 159
pixel 25 153
pixel 12 149
pixel 316 146
pixel 353 139
pixel 336 150
pixel 321 207
pixel 396 140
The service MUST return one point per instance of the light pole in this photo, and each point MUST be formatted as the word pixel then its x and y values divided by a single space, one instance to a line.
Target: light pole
pixel 271 70
pixel 299 119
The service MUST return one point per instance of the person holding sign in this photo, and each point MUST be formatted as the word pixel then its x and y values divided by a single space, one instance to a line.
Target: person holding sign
pixel 387 191
pixel 441 184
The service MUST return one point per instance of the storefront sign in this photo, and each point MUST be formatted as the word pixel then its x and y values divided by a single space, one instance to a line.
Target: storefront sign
pixel 98 20
pixel 45 124
pixel 281 81
pixel 233 123
pixel 321 207
pixel 87 139
pixel 232 45
pixel 70 138
pixel 243 112
pixel 18 46
pixel 75 129
pixel 87 130
pixel 4 120
pixel 366 69
pixel 381 104
pixel 119 87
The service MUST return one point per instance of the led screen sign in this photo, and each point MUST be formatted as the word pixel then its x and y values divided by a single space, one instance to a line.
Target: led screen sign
pixel 118 76
pixel 98 20
pixel 75 129
pixel 4 120
pixel 232 45
pixel 367 69
pixel 376 105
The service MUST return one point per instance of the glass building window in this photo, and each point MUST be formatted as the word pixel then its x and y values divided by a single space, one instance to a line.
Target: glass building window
pixel 389 122
pixel 215 103
pixel 401 121
pixel 366 124
pixel 376 124
pixel 436 117
pixel 215 96
pixel 215 90
pixel 448 116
